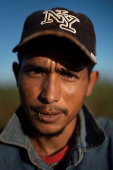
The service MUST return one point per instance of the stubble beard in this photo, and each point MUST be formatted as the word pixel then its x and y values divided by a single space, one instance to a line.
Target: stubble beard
pixel 39 133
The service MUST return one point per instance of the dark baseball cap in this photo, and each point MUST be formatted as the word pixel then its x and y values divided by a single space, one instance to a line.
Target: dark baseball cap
pixel 62 23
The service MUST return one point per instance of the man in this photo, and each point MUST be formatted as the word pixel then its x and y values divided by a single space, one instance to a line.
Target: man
pixel 53 129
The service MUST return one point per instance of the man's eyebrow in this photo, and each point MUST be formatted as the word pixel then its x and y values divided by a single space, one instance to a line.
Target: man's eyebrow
pixel 34 66
pixel 65 70
pixel 45 69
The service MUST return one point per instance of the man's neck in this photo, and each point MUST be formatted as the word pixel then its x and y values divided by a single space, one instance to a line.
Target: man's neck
pixel 49 146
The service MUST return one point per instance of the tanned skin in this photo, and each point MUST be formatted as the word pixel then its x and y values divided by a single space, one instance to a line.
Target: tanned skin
pixel 52 93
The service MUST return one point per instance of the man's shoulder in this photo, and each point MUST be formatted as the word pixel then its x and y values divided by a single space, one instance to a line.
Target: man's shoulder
pixel 105 123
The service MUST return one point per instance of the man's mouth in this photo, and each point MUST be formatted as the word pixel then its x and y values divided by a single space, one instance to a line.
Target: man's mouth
pixel 46 116
pixel 50 117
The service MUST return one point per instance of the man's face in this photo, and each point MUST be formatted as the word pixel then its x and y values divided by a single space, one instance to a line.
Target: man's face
pixel 52 92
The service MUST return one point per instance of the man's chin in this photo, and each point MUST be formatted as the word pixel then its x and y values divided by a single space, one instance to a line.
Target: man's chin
pixel 49 135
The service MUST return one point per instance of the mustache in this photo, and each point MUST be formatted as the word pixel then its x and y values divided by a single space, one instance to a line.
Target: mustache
pixel 38 109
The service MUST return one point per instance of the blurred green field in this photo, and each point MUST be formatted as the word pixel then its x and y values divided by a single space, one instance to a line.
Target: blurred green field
pixel 100 102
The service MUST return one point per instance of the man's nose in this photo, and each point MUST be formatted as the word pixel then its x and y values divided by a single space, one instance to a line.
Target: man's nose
pixel 50 89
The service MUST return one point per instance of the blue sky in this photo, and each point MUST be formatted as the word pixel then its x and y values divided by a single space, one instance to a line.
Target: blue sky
pixel 13 14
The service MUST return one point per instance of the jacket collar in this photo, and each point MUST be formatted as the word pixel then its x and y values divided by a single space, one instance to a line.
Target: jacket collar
pixel 91 134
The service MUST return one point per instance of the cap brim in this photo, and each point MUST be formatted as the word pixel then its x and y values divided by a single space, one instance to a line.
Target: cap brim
pixel 90 55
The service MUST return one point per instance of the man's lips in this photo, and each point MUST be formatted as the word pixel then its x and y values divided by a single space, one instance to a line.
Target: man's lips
pixel 52 112
pixel 47 116
pixel 50 117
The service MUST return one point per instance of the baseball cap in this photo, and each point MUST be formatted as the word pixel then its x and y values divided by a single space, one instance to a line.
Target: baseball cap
pixel 62 23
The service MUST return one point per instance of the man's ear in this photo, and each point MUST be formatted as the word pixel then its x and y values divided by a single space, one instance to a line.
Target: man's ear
pixel 94 76
pixel 16 71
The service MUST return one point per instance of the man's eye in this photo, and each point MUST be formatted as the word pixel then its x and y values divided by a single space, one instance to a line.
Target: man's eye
pixel 69 76
pixel 35 72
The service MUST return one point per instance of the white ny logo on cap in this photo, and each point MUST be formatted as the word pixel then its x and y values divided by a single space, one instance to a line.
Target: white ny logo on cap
pixel 62 17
